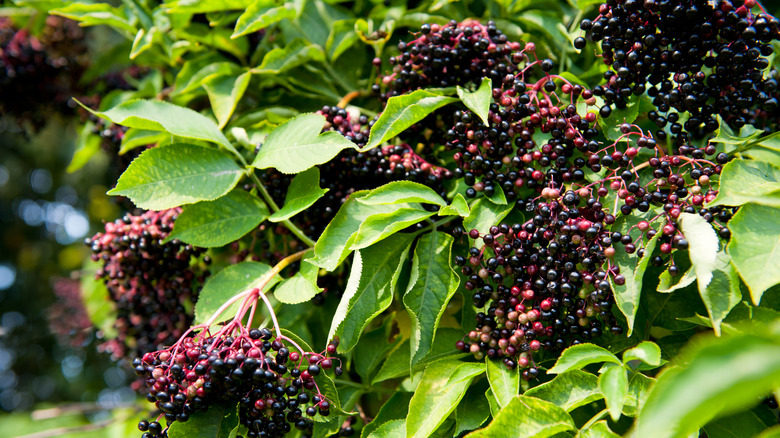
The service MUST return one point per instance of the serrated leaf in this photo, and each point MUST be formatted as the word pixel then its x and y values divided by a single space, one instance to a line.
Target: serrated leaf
pixel 210 224
pixel 722 376
pixel 370 288
pixel 303 192
pixel 755 247
pixel 297 145
pixel 627 295
pixel 301 287
pixel 569 390
pixel 334 244
pixel 743 424
pixel 342 37
pixel 225 284
pixel 195 71
pixel 292 55
pixel 398 192
pixel 381 225
pixel 261 14
pixel 458 207
pixel 613 384
pixel 224 93
pixel 504 382
pixel 442 386
pixel 374 346
pixel 479 100
pixel 432 284
pixel 638 387
pixel 163 116
pixel 541 419
pixel 169 176
pixel 648 352
pixel 743 181
pixel 143 41
pixel 578 356
pixel 217 422
pixel 403 111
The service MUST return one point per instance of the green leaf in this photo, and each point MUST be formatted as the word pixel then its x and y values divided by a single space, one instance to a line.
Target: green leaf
pixel 391 429
pixel 334 244
pixel 568 390
pixel 578 356
pixel 504 382
pixel 613 384
pixel 472 411
pixel 638 387
pixel 458 207
pixel 404 111
pixel 648 352
pixel 96 14
pixel 225 284
pixel 600 429
pixel 210 224
pixel 755 247
pixel 379 226
pixel 224 93
pixel 484 214
pixel 217 422
pixel 432 284
pixel 261 14
pixel 743 181
pixel 611 125
pixel 342 37
pixel 143 41
pixel 397 363
pixel 169 176
pixel 374 347
pixel 540 419
pixel 292 55
pixel 134 138
pixel 742 424
pixel 303 192
pixel 395 408
pixel 722 376
pixel 398 192
pixel 722 293
pixel 200 7
pixel 87 145
pixel 670 283
pixel 97 300
pixel 297 145
pixel 370 288
pixel 627 295
pixel 196 71
pixel 443 385
pixel 163 116
pixel 478 101
pixel 301 287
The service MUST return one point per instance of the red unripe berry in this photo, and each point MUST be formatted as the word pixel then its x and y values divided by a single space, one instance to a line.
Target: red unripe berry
pixel 535 345
pixel 546 305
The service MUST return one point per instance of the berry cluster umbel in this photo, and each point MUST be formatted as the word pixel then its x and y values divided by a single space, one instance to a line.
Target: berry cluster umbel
pixel 150 282
pixel 696 59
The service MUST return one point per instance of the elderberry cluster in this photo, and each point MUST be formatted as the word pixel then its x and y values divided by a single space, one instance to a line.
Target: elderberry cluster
pixel 697 59
pixel 150 282
pixel 450 55
pixel 351 170
pixel 40 72
pixel 546 282
pixel 271 380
